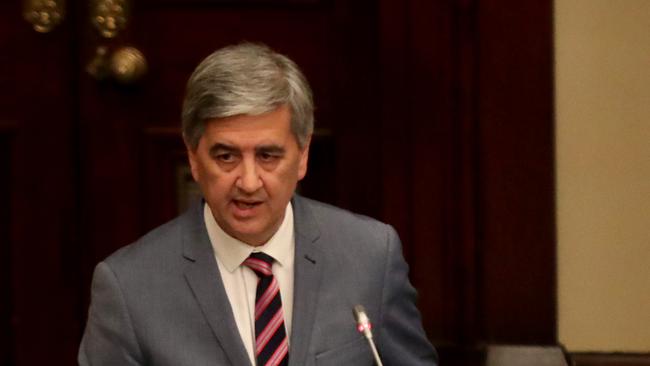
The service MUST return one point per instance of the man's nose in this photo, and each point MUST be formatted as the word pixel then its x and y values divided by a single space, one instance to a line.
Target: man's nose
pixel 249 180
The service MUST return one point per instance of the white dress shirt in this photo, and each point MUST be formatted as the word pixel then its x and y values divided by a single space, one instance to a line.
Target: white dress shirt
pixel 240 281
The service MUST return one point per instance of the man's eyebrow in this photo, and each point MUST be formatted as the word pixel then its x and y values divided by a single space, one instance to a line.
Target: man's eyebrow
pixel 270 149
pixel 221 147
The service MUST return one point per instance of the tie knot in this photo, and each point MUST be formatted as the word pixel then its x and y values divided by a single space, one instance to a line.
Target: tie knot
pixel 260 263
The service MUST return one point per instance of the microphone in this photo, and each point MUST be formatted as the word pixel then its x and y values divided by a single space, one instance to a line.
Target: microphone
pixel 365 327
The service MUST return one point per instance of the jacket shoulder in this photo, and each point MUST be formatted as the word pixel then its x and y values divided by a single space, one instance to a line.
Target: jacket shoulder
pixel 158 245
pixel 331 212
pixel 333 221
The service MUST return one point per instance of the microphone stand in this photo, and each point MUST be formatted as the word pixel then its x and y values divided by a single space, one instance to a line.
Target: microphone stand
pixel 365 327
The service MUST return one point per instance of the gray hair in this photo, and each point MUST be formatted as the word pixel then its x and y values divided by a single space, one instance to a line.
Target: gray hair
pixel 247 79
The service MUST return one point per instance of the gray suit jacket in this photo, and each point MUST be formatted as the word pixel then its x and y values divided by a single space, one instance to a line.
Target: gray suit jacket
pixel 161 301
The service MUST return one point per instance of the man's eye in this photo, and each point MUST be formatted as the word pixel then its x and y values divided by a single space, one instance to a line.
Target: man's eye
pixel 267 156
pixel 226 158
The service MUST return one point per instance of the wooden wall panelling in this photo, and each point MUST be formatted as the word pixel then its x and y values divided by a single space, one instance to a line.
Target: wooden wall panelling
pixel 320 179
pixel 609 359
pixel 395 121
pixel 516 172
pixel 430 105
pixel 464 244
pixel 429 126
pixel 415 61
pixel 44 248
pixel 6 305
pixel 455 355
pixel 163 156
pixel 467 91
pixel 110 116
pixel 355 113
pixel 8 11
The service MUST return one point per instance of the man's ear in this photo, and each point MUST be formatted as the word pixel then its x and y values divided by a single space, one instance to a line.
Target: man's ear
pixel 304 158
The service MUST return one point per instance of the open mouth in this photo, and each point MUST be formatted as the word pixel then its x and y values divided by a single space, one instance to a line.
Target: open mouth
pixel 246 205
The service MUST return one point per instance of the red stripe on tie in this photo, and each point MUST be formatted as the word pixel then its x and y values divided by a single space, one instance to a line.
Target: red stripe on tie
pixel 264 301
pixel 265 336
pixel 279 354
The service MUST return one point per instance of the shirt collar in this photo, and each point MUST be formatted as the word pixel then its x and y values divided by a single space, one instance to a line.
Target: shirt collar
pixel 232 252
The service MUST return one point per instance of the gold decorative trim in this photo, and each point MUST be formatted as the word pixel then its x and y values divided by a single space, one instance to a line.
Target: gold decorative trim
pixel 44 15
pixel 109 16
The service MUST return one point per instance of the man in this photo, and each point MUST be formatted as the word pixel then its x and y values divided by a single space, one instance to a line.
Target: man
pixel 254 275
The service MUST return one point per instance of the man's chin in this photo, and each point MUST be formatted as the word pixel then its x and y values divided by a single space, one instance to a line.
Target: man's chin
pixel 250 234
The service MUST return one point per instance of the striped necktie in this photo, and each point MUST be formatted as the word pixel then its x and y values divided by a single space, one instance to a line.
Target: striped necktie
pixel 271 343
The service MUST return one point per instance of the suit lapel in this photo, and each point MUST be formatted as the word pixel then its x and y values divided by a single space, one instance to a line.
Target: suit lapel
pixel 202 275
pixel 308 266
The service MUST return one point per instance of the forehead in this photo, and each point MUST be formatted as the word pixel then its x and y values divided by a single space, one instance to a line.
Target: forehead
pixel 270 127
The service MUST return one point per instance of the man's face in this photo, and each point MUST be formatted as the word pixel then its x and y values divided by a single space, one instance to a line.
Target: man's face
pixel 248 168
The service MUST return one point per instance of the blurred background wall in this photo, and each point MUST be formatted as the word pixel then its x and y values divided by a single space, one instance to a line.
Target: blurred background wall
pixel 602 73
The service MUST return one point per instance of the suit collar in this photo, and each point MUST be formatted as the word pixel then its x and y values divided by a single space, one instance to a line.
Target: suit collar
pixel 308 267
pixel 304 221
pixel 195 237
pixel 203 277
